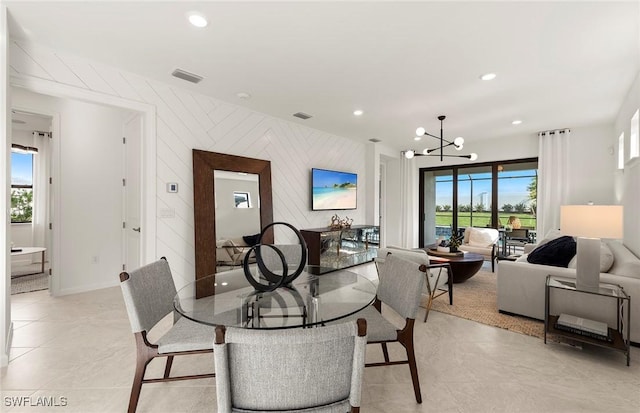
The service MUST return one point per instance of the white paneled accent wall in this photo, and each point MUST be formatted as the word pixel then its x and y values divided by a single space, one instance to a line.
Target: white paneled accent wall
pixel 188 120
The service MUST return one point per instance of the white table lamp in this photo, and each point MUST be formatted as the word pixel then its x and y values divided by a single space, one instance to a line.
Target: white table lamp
pixel 590 223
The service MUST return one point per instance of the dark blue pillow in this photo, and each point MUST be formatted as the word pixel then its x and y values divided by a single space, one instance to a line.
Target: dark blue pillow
pixel 557 252
pixel 251 240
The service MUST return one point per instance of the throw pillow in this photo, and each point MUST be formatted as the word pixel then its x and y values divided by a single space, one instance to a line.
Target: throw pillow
pixel 625 263
pixel 606 259
pixel 480 238
pixel 550 236
pixel 251 240
pixel 557 253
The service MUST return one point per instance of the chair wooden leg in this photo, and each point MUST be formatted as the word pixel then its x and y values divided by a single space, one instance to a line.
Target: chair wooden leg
pixel 385 352
pixel 145 352
pixel 167 368
pixel 405 337
pixel 414 370
pixel 141 367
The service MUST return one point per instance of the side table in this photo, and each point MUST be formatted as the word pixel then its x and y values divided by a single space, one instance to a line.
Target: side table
pixel 613 291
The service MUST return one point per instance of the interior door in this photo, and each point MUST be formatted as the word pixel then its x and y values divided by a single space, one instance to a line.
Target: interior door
pixel 131 216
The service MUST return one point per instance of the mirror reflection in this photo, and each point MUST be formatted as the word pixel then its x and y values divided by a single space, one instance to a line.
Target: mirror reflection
pixel 237 216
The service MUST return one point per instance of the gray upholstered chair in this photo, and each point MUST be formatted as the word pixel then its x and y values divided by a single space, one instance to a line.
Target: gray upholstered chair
pixel 312 369
pixel 400 288
pixel 438 280
pixel 148 295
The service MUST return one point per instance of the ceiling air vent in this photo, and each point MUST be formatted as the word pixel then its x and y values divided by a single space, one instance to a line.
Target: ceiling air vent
pixel 302 115
pixel 189 77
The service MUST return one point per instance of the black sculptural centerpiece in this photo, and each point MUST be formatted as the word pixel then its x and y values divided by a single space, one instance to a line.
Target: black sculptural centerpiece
pixel 269 257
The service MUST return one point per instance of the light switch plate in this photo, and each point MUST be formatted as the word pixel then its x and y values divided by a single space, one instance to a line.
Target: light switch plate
pixel 167 213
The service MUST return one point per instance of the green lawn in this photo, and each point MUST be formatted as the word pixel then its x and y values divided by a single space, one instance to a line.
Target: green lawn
pixel 482 219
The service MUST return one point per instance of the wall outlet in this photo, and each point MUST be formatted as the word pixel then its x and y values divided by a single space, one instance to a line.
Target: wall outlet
pixel 172 187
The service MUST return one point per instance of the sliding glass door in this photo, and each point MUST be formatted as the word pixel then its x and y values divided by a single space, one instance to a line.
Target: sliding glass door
pixel 479 195
pixel 437 203
pixel 475 190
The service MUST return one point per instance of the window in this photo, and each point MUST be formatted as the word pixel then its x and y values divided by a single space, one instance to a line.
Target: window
pixel 22 183
pixel 242 199
pixel 491 194
pixel 621 151
pixel 634 138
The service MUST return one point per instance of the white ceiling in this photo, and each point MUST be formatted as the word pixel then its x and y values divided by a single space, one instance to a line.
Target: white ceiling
pixel 559 64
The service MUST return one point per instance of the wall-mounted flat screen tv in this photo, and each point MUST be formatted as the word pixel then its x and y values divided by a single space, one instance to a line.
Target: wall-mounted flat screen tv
pixel 333 190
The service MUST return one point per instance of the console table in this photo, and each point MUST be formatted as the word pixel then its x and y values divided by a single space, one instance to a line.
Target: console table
pixel 333 249
pixel 620 333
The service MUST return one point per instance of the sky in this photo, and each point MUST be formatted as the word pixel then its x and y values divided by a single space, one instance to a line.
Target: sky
pixel 21 169
pixel 322 178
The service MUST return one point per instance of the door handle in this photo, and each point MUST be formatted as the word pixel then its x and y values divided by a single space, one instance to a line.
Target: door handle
pixel 136 229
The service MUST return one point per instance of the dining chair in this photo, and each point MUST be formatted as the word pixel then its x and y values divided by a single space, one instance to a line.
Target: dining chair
pixel 439 275
pixel 517 238
pixel 400 289
pixel 148 293
pixel 290 370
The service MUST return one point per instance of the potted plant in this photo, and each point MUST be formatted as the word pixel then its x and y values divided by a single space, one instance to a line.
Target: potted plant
pixel 454 243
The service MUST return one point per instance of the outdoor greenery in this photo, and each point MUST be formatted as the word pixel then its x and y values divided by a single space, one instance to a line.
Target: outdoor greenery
pixel 482 219
pixel 21 205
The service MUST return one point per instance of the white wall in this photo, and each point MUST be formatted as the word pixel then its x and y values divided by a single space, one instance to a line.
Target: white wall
pixel 232 222
pixel 90 190
pixel 627 182
pixel 187 120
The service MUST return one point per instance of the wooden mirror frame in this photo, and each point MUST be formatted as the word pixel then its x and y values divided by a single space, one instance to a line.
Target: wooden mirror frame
pixel 204 165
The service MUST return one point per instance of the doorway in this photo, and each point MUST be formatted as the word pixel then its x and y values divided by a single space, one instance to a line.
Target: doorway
pixel 30 201
pixel 88 247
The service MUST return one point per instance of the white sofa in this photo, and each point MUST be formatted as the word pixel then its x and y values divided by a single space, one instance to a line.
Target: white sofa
pixel 521 289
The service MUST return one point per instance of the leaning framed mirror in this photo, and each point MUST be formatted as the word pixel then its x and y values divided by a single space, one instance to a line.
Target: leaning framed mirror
pixel 206 166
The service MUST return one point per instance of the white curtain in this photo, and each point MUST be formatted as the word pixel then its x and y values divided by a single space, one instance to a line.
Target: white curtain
pixel 408 203
pixel 40 190
pixel 553 179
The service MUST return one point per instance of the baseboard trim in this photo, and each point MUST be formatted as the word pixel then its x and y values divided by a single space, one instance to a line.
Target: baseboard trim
pixel 84 289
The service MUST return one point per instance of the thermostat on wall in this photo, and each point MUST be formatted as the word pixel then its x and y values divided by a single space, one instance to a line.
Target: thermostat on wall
pixel 172 187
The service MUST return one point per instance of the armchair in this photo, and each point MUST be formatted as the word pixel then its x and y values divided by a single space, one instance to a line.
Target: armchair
pixel 483 241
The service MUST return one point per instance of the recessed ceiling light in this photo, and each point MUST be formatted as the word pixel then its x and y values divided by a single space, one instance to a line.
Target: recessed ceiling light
pixel 358 112
pixel 516 122
pixel 417 138
pixel 197 19
pixel 243 95
pixel 488 76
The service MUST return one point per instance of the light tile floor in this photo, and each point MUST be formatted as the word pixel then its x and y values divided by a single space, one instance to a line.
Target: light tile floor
pixel 80 347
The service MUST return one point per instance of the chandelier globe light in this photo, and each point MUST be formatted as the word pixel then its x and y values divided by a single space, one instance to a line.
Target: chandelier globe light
pixel 457 143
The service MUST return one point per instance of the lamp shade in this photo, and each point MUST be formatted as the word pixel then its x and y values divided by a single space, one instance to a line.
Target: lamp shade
pixel 592 221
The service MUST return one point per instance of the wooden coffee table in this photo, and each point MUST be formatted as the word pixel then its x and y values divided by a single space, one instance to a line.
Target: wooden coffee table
pixel 463 267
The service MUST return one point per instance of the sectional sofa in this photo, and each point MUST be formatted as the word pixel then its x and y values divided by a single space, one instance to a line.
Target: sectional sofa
pixel 521 288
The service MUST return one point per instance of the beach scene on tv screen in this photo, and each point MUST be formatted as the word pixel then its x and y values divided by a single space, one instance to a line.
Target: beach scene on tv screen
pixel 334 190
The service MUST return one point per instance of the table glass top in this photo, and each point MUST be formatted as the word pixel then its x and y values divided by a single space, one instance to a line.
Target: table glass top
pixel 612 290
pixel 309 300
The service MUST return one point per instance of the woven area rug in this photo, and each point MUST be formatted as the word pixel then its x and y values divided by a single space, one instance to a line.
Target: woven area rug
pixel 29 283
pixel 476 300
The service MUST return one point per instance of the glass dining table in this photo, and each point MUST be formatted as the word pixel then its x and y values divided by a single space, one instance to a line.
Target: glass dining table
pixel 310 300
